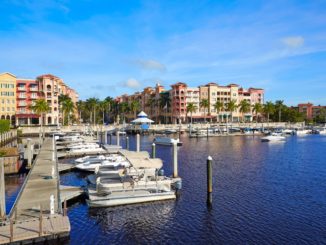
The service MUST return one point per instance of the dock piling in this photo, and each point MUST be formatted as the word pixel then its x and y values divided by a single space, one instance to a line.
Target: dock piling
pixel 2 190
pixel 105 137
pixel 175 160
pixel 209 181
pixel 52 204
pixel 110 139
pixel 65 207
pixel 41 222
pixel 138 143
pixel 11 230
pixel 118 138
pixel 153 150
pixel 29 152
pixel 127 143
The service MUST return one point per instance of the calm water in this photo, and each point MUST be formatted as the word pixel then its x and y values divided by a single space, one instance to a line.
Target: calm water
pixel 264 193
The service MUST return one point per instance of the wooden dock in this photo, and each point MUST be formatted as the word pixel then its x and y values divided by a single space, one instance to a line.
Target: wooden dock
pixel 37 213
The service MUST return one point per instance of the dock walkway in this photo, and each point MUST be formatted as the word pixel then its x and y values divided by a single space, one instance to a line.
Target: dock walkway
pixel 35 209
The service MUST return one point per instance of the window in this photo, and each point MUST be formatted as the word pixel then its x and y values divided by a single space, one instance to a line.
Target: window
pixel 13 108
pixel 8 108
pixel 8 101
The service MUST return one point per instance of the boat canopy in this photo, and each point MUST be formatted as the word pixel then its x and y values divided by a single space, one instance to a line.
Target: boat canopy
pixel 142 160
pixel 142 119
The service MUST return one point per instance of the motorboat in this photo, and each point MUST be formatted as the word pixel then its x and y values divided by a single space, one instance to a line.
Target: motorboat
pixel 170 131
pixel 87 150
pixel 164 140
pixel 112 162
pixel 98 158
pixel 83 145
pixel 273 137
pixel 302 131
pixel 288 131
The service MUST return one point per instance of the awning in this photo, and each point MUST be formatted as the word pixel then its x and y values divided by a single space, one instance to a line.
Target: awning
pixel 142 120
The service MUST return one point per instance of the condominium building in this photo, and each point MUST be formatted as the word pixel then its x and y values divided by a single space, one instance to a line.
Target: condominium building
pixel 27 92
pixel 309 110
pixel 8 97
pixel 180 96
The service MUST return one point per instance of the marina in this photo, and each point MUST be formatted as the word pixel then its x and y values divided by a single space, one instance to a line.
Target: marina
pixel 227 196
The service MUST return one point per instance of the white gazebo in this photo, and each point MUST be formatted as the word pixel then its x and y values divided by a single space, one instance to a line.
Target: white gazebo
pixel 143 121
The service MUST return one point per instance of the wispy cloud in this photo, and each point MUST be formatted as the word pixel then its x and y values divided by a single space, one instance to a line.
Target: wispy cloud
pixel 132 83
pixel 293 42
pixel 150 65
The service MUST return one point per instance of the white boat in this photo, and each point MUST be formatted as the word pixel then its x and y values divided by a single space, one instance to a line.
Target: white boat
pixel 98 158
pixel 322 131
pixel 164 140
pixel 302 131
pixel 83 145
pixel 114 162
pixel 87 150
pixel 273 137
pixel 288 131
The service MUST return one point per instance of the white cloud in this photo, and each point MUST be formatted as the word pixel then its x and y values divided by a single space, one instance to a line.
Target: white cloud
pixel 293 42
pixel 150 65
pixel 131 83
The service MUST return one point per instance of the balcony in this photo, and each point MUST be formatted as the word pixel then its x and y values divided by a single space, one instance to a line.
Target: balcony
pixel 21 88
pixel 21 96
pixel 34 97
pixel 35 89
pixel 22 104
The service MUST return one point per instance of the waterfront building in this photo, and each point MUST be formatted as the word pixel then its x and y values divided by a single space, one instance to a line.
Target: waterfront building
pixel 180 95
pixel 8 97
pixel 309 110
pixel 27 92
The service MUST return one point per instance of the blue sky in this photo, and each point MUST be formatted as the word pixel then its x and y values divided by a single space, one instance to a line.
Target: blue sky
pixel 106 48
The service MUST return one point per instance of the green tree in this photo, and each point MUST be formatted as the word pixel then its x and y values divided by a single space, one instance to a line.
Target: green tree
pixel 4 126
pixel 67 108
pixel 191 108
pixel 204 103
pixel 92 104
pixel 123 108
pixel 231 107
pixel 218 106
pixel 103 106
pixel 257 108
pixel 244 107
pixel 40 107
pixel 279 106
pixel 134 107
pixel 164 104
pixel 269 109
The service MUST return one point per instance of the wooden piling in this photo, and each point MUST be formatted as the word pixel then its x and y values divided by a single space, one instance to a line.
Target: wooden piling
pixel 175 160
pixel 41 222
pixel 153 150
pixel 105 137
pixel 127 143
pixel 110 139
pixel 138 143
pixel 118 138
pixel 209 181
pixel 65 207
pixel 29 153
pixel 11 230
pixel 2 190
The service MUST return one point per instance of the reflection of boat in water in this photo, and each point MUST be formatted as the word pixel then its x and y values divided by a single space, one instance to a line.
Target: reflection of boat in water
pixel 273 137
pixel 164 140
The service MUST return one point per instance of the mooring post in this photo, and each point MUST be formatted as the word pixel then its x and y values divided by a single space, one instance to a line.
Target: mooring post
pixel 2 190
pixel 29 152
pixel 209 180
pixel 52 204
pixel 207 132
pixel 11 230
pixel 175 160
pixel 110 139
pixel 65 207
pixel 118 138
pixel 127 143
pixel 98 135
pixel 105 137
pixel 138 143
pixel 153 150
pixel 41 222
pixel 40 136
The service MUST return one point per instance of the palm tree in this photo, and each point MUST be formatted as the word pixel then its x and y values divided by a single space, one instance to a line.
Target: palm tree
pixel 231 107
pixel 279 106
pixel 218 106
pixel 40 107
pixel 269 109
pixel 123 108
pixel 80 107
pixel 257 108
pixel 103 105
pixel 67 107
pixel 164 103
pixel 110 105
pixel 204 103
pixel 134 107
pixel 244 107
pixel 150 103
pixel 92 104
pixel 191 107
